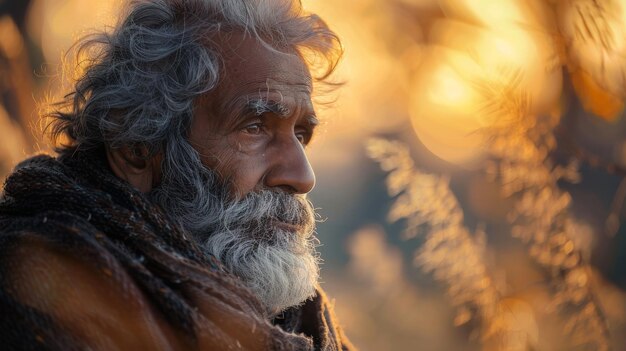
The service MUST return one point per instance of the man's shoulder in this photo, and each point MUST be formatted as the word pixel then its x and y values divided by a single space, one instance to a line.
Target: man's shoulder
pixel 49 274
pixel 94 304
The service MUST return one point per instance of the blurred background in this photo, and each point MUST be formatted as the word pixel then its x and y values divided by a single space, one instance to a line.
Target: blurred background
pixel 504 177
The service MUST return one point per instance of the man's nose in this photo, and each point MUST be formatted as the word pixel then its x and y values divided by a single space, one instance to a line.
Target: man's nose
pixel 290 169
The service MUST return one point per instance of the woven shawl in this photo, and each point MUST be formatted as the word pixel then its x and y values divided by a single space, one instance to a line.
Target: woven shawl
pixel 88 262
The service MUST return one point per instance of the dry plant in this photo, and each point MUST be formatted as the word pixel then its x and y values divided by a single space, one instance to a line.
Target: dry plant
pixel 592 33
pixel 520 143
pixel 450 252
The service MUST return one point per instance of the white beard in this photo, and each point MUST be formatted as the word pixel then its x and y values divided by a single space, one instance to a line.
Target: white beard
pixel 281 274
pixel 265 238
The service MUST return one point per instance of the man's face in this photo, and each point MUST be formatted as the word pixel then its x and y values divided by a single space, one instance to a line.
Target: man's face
pixel 253 127
pixel 243 199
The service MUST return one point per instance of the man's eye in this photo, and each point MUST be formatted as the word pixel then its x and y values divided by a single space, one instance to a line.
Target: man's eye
pixel 303 137
pixel 253 129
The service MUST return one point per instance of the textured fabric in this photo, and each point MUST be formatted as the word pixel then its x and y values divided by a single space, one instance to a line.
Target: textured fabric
pixel 87 262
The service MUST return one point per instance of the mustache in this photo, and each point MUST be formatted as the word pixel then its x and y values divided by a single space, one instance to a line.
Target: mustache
pixel 203 203
pixel 268 210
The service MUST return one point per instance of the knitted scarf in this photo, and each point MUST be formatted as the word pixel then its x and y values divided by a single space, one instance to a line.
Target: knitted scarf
pixel 61 217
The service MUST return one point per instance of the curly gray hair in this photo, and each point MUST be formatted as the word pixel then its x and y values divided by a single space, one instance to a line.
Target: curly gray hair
pixel 140 80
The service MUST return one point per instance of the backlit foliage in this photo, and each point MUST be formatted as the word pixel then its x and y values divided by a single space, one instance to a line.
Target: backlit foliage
pixel 540 219
pixel 594 34
pixel 493 93
pixel 450 252
pixel 520 144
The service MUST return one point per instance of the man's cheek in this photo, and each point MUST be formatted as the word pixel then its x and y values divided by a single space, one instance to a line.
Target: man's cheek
pixel 248 145
pixel 243 172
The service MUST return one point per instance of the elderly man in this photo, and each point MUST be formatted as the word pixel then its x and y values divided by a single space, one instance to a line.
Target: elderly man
pixel 175 217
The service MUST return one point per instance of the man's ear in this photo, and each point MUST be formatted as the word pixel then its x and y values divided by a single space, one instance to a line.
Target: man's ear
pixel 133 165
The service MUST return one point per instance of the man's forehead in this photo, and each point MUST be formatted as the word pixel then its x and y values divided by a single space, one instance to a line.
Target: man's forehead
pixel 246 60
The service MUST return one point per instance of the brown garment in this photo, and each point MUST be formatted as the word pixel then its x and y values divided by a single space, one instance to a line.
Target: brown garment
pixel 87 262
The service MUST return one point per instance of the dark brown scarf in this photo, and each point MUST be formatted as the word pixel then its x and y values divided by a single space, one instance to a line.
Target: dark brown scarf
pixel 62 217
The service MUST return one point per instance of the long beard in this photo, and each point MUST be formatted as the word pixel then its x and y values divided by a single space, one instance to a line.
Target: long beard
pixel 265 238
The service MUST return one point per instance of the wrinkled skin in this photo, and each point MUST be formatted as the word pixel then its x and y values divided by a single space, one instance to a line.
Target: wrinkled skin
pixel 251 149
pixel 257 151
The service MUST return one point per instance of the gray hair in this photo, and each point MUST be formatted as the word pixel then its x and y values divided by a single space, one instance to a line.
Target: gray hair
pixel 140 80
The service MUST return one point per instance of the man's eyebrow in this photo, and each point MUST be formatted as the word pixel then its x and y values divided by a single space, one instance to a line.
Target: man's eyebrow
pixel 312 120
pixel 261 106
